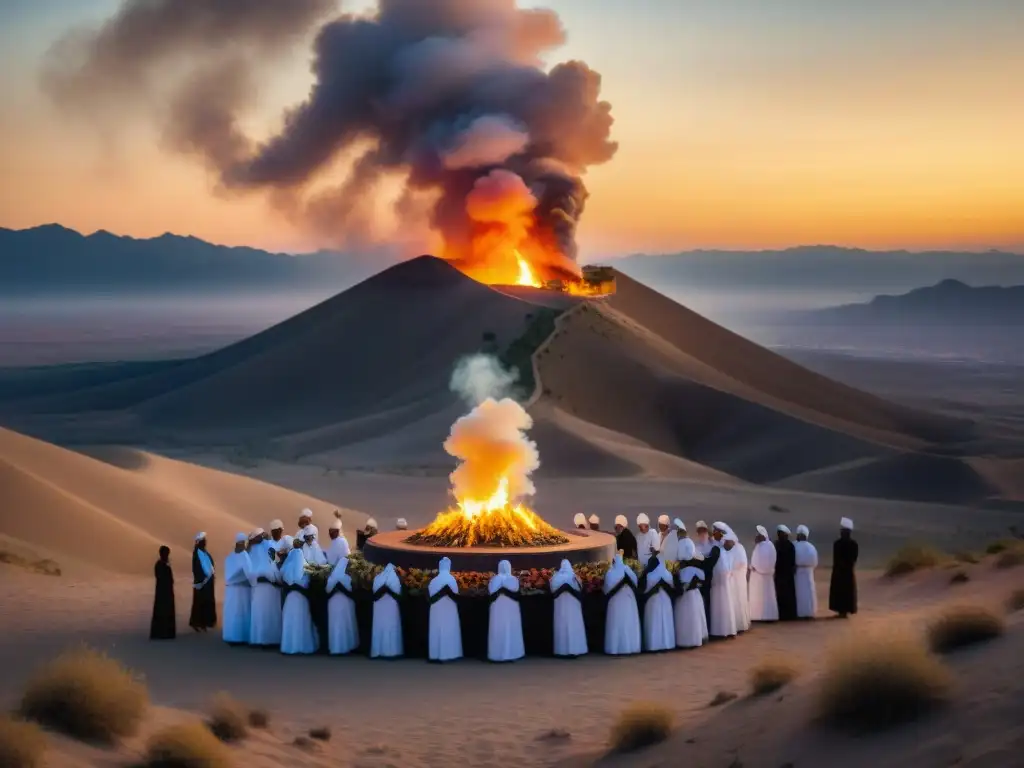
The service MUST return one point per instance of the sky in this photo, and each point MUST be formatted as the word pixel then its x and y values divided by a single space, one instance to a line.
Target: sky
pixel 742 124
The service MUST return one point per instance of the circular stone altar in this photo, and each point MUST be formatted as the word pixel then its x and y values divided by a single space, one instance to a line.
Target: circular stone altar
pixel 584 546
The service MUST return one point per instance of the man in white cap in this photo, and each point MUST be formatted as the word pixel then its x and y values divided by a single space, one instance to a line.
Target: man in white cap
pixel 667 549
pixel 740 596
pixel 311 548
pixel 265 622
pixel 806 562
pixel 625 541
pixel 579 520
pixel 842 590
pixel 257 546
pixel 785 574
pixel 305 520
pixel 401 524
pixel 647 541
pixel 763 605
pixel 368 531
pixel 204 604
pixel 276 532
pixel 339 544
pixel 703 542
pixel 237 594
pixel 723 608
pixel 595 523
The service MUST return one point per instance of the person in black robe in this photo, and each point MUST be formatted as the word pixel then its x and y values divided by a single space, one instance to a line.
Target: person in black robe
pixel 785 575
pixel 842 591
pixel 625 541
pixel 204 603
pixel 162 627
pixel 363 535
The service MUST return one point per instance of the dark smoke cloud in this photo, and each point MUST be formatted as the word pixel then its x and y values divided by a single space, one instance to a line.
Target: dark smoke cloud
pixel 448 93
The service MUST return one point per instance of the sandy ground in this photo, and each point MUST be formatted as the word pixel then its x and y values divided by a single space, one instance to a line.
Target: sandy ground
pixel 410 713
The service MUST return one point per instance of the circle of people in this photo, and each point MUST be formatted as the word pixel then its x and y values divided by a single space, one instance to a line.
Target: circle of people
pixel 716 591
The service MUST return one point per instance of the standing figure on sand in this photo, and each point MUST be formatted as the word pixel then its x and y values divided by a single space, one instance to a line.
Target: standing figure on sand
pixel 806 560
pixel 785 574
pixel 763 604
pixel 690 617
pixel 237 594
pixel 204 603
pixel 570 633
pixel 622 618
pixel 444 641
pixel 625 541
pixel 162 625
pixel 842 591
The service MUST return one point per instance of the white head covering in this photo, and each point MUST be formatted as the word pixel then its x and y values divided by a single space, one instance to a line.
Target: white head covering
pixel 701 524
pixel 658 574
pixel 679 524
pixel 335 525
pixel 803 529
pixel 730 536
pixel 663 520
pixel 200 536
pixel 595 520
pixel 763 531
pixel 565 575
pixel 257 532
pixel 643 519
pixel 316 531
pixel 371 523
pixel 617 573
pixel 579 519
pixel 294 568
pixel 503 578
pixel 846 523
pixel 687 549
pixel 443 579
pixel 784 529
pixel 241 537
pixel 388 578
pixel 307 512
pixel 621 520
pixel 286 543
pixel 401 524
pixel 308 531
pixel 339 575
pixel 276 525
pixel 720 526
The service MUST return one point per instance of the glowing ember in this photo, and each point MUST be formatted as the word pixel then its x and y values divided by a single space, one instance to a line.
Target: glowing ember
pixel 526 276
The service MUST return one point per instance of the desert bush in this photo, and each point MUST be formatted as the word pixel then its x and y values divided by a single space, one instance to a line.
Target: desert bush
pixel 640 725
pixel 871 683
pixel 770 675
pixel 227 719
pixel 962 625
pixel 1010 558
pixel 86 695
pixel 1015 602
pixel 1001 545
pixel 968 558
pixel 188 745
pixel 959 578
pixel 913 557
pixel 320 734
pixel 22 744
pixel 259 718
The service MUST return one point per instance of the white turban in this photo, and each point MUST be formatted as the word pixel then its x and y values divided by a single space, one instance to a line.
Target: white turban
pixel 701 524
pixel 316 531
pixel 579 519
pixel 730 536
pixel 240 537
pixel 286 543
pixel 308 532
pixel 336 525
pixel 719 526
pixel 306 513
pixel 846 523
pixel 595 519
pixel 679 524
pixel 371 523
pixel 257 533
pixel 783 529
pixel 763 531
pixel 401 524
pixel 621 520
pixel 200 536
pixel 276 525
pixel 803 529
pixel 643 519
pixel 663 520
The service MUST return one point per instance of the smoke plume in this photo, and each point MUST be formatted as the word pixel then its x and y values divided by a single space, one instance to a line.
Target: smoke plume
pixel 448 95
pixel 490 441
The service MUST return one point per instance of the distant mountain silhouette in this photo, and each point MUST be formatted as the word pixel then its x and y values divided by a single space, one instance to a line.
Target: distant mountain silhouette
pixel 825 267
pixel 52 259
pixel 949 302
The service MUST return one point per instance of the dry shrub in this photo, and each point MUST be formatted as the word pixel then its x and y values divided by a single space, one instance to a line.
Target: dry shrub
pixel 320 734
pixel 961 625
pixel 913 557
pixel 86 695
pixel 259 718
pixel 188 745
pixel 968 558
pixel 641 725
pixel 1015 602
pixel 1001 545
pixel 1011 558
pixel 21 744
pixel 871 683
pixel 770 675
pixel 959 578
pixel 227 719
pixel 304 743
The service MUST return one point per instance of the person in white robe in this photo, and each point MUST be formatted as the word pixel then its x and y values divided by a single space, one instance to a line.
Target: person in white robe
pixel 276 532
pixel 298 633
pixel 647 541
pixel 579 520
pixel 659 622
pixel 740 596
pixel 622 635
pixel 723 612
pixel 763 604
pixel 570 631
pixel 806 562
pixel 284 548
pixel 342 627
pixel 505 621
pixel 703 542
pixel 311 548
pixel 691 623
pixel 265 578
pixel 595 522
pixel 237 593
pixel 339 544
pixel 444 637
pixel 668 546
pixel 386 639
pixel 305 520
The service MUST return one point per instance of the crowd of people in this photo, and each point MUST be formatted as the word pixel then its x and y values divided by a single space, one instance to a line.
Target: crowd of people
pixel 690 591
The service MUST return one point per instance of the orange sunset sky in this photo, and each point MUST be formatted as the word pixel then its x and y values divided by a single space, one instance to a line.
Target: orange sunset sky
pixel 741 123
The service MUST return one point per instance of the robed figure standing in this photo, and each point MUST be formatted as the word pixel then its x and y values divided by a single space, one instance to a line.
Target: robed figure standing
pixel 659 621
pixel 266 618
pixel 444 637
pixel 723 604
pixel 622 622
pixel 785 574
pixel 740 594
pixel 842 591
pixel 505 619
pixel 570 632
pixel 763 604
pixel 204 605
pixel 691 621
pixel 625 541
pixel 298 632
pixel 342 628
pixel 162 627
pixel 806 562
pixel 386 635
pixel 235 627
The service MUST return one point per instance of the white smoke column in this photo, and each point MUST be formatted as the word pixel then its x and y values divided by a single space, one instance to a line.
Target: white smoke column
pixel 490 441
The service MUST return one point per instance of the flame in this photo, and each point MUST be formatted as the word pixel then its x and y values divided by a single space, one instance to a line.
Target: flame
pixel 526 276
pixel 490 522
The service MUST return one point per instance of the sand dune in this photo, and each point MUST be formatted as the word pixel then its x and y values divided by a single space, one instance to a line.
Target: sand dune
pixel 114 509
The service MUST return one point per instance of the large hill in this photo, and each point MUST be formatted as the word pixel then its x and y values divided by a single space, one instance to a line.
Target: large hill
pixel 635 384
